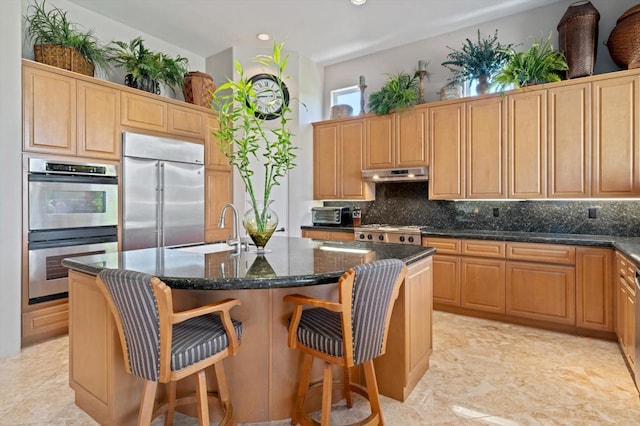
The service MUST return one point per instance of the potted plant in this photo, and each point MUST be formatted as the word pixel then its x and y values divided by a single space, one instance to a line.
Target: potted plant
pixel 145 68
pixel 480 61
pixel 61 43
pixel 400 91
pixel 244 134
pixel 541 63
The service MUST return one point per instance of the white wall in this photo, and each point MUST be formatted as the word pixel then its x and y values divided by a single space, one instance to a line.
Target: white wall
pixel 10 177
pixel 516 29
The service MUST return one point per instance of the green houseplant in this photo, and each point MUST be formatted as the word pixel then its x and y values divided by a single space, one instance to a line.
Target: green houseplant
pixel 480 60
pixel 541 63
pixel 400 91
pixel 56 39
pixel 244 134
pixel 147 69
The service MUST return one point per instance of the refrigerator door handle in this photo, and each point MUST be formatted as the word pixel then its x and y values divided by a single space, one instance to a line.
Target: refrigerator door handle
pixel 159 197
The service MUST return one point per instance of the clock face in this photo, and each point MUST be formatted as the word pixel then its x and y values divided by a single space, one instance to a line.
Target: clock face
pixel 272 96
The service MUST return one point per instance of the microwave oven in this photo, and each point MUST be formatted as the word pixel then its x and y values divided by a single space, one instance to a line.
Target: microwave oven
pixel 331 216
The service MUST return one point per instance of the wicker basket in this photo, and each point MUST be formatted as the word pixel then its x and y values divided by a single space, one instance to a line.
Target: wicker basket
pixel 342 110
pixel 578 38
pixel 198 88
pixel 64 57
pixel 624 40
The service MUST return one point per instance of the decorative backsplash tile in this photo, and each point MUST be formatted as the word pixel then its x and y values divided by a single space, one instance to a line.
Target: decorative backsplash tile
pixel 407 204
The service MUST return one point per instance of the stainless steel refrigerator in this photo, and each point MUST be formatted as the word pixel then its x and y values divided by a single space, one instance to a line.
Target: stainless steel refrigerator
pixel 163 192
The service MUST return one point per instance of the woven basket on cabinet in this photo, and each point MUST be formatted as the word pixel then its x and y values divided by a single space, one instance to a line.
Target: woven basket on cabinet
pixel 64 57
pixel 578 38
pixel 624 40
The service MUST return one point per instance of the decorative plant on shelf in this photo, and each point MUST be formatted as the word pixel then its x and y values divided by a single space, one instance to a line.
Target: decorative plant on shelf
pixel 52 29
pixel 400 91
pixel 541 63
pixel 147 69
pixel 243 135
pixel 480 61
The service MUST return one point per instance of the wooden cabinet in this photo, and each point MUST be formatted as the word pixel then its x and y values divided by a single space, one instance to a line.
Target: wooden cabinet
pixel 410 340
pixel 218 186
pixel 541 292
pixel 338 158
pixel 98 115
pixel 186 122
pixel 380 142
pixel 483 284
pixel 527 144
pixel 446 270
pixel 625 324
pixel 45 323
pixel 486 148
pixel 328 235
pixel 569 141
pixel 396 140
pixel 446 126
pixel 594 288
pixel 616 138
pixel 541 253
pixel 48 112
pixel 143 112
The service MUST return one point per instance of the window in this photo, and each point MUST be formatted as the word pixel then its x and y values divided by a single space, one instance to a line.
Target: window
pixel 347 96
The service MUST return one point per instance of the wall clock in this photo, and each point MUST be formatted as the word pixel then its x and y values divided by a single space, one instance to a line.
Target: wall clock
pixel 272 96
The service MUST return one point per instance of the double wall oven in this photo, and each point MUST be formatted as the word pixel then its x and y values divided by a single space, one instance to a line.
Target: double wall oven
pixel 73 211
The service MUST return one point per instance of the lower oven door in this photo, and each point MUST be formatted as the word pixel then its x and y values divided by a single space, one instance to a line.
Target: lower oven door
pixel 47 277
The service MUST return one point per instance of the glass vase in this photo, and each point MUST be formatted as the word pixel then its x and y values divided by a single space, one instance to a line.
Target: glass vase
pixel 260 221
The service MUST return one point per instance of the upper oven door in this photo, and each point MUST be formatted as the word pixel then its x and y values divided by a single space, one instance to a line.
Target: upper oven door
pixel 57 202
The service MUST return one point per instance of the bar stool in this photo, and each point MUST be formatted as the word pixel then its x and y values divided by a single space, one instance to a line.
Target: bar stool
pixel 350 332
pixel 163 346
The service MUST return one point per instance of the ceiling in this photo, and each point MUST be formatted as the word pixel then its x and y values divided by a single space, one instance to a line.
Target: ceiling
pixel 325 31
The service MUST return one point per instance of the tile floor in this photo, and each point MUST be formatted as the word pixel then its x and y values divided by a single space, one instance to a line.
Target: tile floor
pixel 482 372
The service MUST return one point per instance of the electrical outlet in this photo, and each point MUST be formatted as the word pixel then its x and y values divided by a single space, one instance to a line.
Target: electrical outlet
pixel 592 213
pixel 496 212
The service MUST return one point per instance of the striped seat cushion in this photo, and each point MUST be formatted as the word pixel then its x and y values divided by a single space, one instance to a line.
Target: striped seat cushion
pixel 198 338
pixel 321 329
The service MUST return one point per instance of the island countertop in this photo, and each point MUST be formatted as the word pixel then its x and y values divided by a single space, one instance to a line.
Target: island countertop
pixel 292 262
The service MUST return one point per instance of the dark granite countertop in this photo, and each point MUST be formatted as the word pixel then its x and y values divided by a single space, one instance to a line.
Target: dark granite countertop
pixel 630 246
pixel 292 262
pixel 328 228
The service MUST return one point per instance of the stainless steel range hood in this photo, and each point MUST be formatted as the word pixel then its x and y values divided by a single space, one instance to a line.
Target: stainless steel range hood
pixel 409 174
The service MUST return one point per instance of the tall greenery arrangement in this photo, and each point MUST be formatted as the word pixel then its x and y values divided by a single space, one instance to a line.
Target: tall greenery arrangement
pixel 243 134
pixel 145 64
pixel 400 91
pixel 541 63
pixel 476 59
pixel 54 27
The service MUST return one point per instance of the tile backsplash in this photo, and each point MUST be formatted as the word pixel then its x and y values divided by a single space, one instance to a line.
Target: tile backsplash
pixel 407 204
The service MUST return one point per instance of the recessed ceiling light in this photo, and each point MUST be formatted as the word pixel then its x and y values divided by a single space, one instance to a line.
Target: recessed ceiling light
pixel 358 2
pixel 263 36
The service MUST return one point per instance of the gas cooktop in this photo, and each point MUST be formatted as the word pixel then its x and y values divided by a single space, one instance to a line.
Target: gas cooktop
pixel 385 233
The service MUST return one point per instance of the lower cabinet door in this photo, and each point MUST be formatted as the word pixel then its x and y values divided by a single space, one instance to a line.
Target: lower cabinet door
pixel 446 280
pixel 541 292
pixel 483 283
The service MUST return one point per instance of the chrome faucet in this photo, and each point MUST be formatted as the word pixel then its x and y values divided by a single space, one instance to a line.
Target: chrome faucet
pixel 233 239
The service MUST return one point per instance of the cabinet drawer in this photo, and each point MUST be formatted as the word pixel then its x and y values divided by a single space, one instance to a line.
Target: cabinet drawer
pixel 442 245
pixel 478 248
pixel 544 253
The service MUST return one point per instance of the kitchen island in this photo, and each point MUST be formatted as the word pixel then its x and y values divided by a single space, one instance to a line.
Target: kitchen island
pixel 263 376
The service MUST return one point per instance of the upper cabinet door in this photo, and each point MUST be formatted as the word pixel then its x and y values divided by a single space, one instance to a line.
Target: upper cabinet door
pixel 48 112
pixel 410 146
pixel 569 143
pixel 326 140
pixel 446 161
pixel 98 121
pixel 143 112
pixel 486 146
pixel 380 139
pixel 213 155
pixel 186 122
pixel 527 144
pixel 616 150
pixel 351 160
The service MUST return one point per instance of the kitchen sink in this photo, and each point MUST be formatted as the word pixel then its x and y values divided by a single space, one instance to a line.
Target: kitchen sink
pixel 206 248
